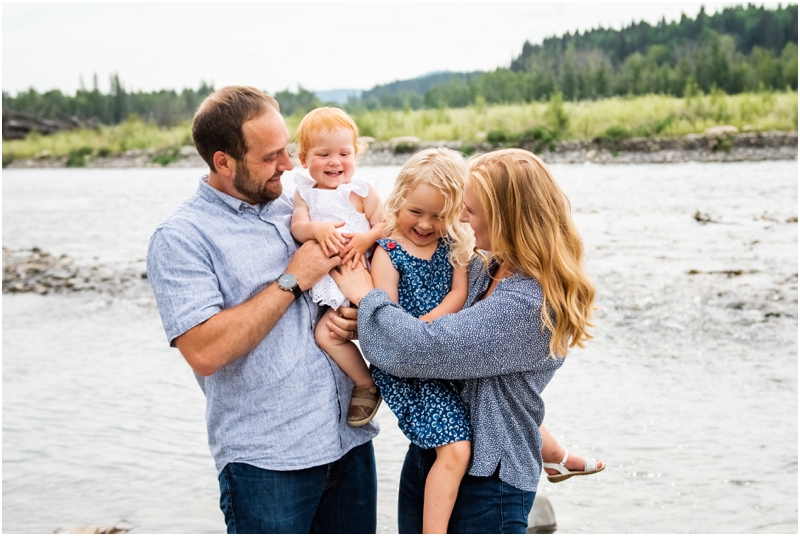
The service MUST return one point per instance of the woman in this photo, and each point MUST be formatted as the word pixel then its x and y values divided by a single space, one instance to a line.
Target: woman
pixel 529 301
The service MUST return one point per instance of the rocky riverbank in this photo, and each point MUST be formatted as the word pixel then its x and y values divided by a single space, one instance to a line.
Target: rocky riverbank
pixel 34 270
pixel 720 144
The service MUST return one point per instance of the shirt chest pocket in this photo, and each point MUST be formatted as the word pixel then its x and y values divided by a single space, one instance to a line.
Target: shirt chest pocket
pixel 250 262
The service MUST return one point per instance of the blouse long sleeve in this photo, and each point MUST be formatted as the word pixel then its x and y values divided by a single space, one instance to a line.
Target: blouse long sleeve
pixel 499 335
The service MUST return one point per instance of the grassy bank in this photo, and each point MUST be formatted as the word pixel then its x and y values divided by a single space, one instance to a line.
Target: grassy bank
pixel 650 115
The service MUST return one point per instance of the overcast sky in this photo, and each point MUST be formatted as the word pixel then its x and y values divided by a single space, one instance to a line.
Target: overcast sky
pixel 276 46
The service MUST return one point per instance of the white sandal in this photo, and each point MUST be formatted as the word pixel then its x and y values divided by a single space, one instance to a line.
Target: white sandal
pixel 589 468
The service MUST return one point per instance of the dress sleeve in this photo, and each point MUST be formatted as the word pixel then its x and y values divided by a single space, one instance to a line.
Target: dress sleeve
pixel 501 334
pixel 303 184
pixel 356 185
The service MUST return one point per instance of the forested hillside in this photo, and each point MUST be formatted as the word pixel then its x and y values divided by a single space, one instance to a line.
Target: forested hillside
pixel 737 50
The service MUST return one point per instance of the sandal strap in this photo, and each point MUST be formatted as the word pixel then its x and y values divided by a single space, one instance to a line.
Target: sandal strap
pixel 560 467
pixel 590 464
pixel 368 402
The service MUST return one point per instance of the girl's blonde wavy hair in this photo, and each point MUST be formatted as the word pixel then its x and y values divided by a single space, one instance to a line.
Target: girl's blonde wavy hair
pixel 530 227
pixel 444 170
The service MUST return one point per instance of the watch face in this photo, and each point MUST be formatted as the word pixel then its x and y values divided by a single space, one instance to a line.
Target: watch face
pixel 287 281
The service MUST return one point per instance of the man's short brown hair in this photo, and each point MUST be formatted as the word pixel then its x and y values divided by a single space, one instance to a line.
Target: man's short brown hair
pixel 217 124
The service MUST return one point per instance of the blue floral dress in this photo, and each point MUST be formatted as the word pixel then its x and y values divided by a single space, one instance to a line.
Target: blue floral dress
pixel 429 412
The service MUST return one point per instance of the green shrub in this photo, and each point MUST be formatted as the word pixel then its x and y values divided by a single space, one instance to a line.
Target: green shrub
pixel 7 159
pixel 77 157
pixel 614 135
pixel 167 156
pixel 556 116
pixel 467 150
pixel 539 138
pixel 103 152
pixel 497 136
pixel 405 148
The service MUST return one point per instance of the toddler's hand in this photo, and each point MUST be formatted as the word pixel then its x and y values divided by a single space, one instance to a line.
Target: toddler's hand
pixel 353 253
pixel 328 237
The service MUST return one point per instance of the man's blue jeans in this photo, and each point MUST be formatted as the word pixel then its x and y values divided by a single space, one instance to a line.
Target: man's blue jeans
pixel 485 505
pixel 339 497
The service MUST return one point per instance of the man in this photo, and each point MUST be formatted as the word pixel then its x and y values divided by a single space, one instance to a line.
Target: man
pixel 229 280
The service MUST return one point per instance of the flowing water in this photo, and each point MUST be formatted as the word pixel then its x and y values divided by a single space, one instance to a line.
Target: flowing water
pixel 688 391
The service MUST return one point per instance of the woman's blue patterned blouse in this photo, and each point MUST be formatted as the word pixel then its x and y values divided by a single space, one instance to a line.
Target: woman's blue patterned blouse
pixel 496 346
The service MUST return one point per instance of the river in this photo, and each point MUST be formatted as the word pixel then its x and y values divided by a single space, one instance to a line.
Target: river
pixel 688 391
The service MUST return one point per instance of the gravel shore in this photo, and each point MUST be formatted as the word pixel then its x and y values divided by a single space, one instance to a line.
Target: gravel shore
pixel 691 148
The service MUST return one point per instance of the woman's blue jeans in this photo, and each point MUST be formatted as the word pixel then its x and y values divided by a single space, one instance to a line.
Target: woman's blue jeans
pixel 485 505
pixel 335 498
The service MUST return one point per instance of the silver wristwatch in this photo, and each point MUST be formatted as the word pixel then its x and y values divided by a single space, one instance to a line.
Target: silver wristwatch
pixel 289 282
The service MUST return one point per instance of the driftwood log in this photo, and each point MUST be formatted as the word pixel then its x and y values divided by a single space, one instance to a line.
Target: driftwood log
pixel 17 125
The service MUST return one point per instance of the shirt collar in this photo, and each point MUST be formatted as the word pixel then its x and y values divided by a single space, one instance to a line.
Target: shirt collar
pixel 212 195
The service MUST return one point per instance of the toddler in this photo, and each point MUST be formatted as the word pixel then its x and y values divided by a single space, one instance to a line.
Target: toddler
pixel 343 214
pixel 422 266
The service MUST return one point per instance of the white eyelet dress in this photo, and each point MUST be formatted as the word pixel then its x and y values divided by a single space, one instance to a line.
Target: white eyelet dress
pixel 333 206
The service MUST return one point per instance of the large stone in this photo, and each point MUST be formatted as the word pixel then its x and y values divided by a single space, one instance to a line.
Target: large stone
pixel 542 519
pixel 721 131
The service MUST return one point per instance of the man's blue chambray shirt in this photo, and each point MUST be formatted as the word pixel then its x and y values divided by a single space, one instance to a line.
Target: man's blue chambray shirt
pixel 283 406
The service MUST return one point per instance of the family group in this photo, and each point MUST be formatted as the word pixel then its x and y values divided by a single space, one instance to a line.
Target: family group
pixel 465 288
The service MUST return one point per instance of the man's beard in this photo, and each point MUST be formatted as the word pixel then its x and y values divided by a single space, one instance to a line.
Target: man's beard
pixel 244 184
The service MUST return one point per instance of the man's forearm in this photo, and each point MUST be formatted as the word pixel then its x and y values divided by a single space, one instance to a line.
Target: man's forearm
pixel 232 333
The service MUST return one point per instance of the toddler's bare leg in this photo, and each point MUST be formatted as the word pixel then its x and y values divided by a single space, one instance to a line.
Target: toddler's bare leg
pixel 441 486
pixel 553 452
pixel 345 354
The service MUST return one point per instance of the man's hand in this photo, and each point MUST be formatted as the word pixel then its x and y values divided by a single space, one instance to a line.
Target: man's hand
pixel 354 283
pixel 343 323
pixel 231 333
pixel 310 263
pixel 328 237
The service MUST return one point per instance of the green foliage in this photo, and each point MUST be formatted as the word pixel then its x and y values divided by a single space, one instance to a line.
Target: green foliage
pixel 497 136
pixel 167 156
pixel 299 103
pixel 539 138
pixel 405 148
pixel 467 150
pixel 103 152
pixel 9 157
pixel 556 117
pixel 77 157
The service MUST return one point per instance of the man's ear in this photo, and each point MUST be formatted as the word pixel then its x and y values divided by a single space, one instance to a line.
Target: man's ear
pixel 224 164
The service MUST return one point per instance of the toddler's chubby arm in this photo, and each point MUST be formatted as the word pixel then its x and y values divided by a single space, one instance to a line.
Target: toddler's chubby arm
pixel 384 275
pixel 360 243
pixel 455 299
pixel 303 229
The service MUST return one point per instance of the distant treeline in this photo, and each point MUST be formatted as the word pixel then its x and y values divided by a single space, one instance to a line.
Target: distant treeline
pixel 165 108
pixel 736 50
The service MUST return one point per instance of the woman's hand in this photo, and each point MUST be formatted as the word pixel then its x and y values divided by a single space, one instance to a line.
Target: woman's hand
pixel 355 283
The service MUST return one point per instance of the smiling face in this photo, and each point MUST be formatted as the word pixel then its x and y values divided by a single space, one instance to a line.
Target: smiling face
pixel 257 176
pixel 473 215
pixel 419 218
pixel 331 160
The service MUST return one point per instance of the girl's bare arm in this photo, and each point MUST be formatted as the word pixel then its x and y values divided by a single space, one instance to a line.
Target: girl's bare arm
pixel 303 229
pixel 384 275
pixel 455 299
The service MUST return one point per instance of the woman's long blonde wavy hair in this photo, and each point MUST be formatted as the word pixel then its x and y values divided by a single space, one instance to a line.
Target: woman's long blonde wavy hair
pixel 444 170
pixel 530 227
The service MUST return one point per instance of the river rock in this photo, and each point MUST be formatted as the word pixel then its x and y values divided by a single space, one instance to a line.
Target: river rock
pixel 542 518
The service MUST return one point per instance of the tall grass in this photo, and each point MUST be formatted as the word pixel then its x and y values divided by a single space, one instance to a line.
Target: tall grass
pixel 649 115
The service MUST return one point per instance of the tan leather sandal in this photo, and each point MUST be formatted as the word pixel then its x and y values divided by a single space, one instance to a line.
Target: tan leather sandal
pixel 363 405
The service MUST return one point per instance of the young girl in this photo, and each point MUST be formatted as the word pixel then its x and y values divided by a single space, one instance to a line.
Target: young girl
pixel 343 214
pixel 422 266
